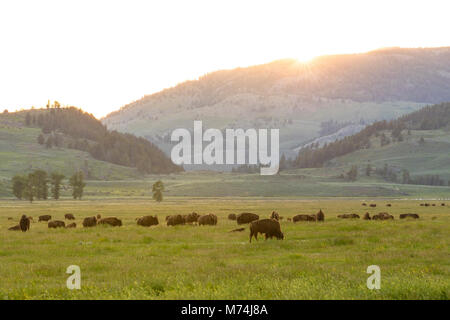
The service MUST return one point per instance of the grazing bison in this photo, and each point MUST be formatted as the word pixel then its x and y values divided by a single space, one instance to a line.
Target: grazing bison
pixel 364 204
pixel 320 216
pixel 175 220
pixel 434 204
pixel 422 204
pixel 112 221
pixel 304 217
pixel 148 221
pixel 191 218
pixel 269 227
pixel 246 217
pixel 15 228
pixel 24 223
pixel 388 205
pixel 89 222
pixel 275 215
pixel 382 216
pixel 231 216
pixel 69 216
pixel 367 216
pixel 373 205
pixel 443 204
pixel 208 219
pixel 409 215
pixel 56 224
pixel 426 204
pixel 45 217
pixel 348 216
pixel 10 218
pixel 289 219
pixel 71 225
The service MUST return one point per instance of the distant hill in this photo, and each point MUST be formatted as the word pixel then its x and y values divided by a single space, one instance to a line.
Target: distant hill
pixel 418 142
pixel 74 140
pixel 295 97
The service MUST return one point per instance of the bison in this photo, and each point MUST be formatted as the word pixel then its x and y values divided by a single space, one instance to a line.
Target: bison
pixel 148 221
pixel 99 216
pixel 382 216
pixel 348 216
pixel 45 217
pixel 269 227
pixel 24 223
pixel 373 205
pixel 89 222
pixel 367 216
pixel 71 225
pixel 175 220
pixel 112 221
pixel 246 217
pixel 443 204
pixel 69 216
pixel 304 217
pixel 409 215
pixel 15 228
pixel 320 216
pixel 56 224
pixel 388 205
pixel 275 215
pixel 231 216
pixel 364 204
pixel 208 219
pixel 191 218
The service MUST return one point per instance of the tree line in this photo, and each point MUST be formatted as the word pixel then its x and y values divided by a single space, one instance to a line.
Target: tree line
pixel 74 129
pixel 428 118
pixel 35 185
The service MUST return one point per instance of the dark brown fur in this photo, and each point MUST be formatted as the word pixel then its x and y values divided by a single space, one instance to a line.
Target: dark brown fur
pixel 409 215
pixel 348 216
pixel 69 216
pixel 175 220
pixel 269 227
pixel 45 217
pixel 15 228
pixel 382 216
pixel 89 222
pixel 367 216
pixel 275 215
pixel 112 221
pixel 208 219
pixel 373 205
pixel 320 216
pixel 304 217
pixel 71 225
pixel 148 221
pixel 246 217
pixel 232 216
pixel 56 224
pixel 24 223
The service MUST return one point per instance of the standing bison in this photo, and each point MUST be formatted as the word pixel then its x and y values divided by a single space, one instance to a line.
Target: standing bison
pixel 148 221
pixel 89 222
pixel 192 217
pixel 231 216
pixel 320 216
pixel 208 219
pixel 269 227
pixel 367 216
pixel 112 221
pixel 71 225
pixel 24 223
pixel 382 216
pixel 246 217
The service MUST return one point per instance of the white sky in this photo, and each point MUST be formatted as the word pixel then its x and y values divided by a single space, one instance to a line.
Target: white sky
pixel 100 55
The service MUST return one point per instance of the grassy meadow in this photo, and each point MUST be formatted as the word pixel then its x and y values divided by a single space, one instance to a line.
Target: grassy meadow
pixel 315 260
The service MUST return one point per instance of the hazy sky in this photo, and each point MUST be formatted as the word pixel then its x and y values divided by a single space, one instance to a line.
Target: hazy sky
pixel 100 55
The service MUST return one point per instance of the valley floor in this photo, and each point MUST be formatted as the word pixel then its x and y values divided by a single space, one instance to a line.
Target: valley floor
pixel 315 260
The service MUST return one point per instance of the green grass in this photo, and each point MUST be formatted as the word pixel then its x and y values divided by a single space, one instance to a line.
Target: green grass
pixel 315 261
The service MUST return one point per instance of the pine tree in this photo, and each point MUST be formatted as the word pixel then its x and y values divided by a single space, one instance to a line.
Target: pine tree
pixel 55 181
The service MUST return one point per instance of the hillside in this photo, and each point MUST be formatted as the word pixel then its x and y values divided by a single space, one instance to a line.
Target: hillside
pixel 295 97
pixel 20 151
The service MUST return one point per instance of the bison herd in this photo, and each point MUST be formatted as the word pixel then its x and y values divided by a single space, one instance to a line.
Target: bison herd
pixel 268 227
